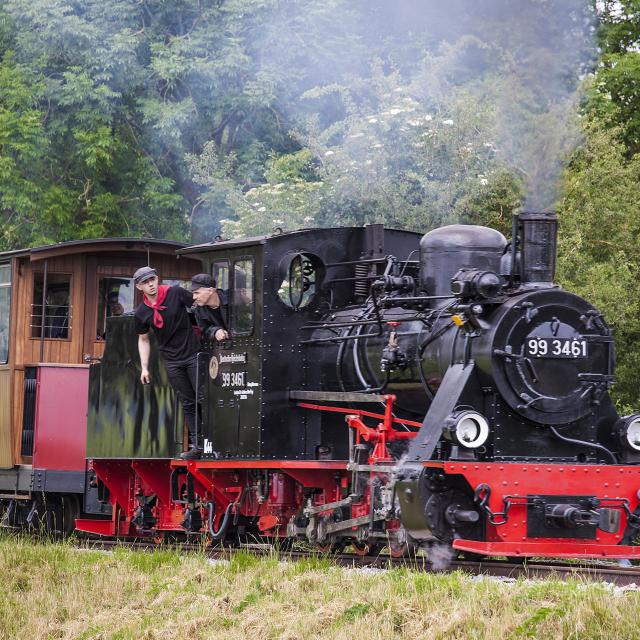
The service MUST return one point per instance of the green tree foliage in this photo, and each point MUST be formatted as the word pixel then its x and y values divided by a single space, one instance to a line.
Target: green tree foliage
pixel 467 132
pixel 23 146
pixel 128 89
pixel 88 169
pixel 598 243
pixel 615 93
pixel 388 160
pixel 162 118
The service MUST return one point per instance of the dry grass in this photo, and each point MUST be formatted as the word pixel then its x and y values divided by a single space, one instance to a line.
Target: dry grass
pixel 57 591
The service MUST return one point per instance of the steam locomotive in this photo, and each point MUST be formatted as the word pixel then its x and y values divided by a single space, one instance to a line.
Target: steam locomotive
pixel 380 389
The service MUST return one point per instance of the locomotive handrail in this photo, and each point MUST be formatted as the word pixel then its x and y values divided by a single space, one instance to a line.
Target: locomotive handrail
pixel 364 261
pixel 358 412
pixel 321 324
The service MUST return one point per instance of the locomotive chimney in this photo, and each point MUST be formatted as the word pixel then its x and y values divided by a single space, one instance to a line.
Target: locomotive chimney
pixel 538 235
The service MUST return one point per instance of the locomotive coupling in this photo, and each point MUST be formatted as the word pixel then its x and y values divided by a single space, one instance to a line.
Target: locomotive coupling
pixel 570 516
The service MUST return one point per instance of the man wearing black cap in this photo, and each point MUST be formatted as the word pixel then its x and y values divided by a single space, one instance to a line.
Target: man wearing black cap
pixel 164 309
pixel 207 310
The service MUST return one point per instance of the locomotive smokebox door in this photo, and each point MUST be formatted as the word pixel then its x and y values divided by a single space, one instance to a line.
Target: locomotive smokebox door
pixel 552 356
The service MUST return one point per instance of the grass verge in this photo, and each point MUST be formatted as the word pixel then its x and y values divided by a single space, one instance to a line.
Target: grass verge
pixel 54 590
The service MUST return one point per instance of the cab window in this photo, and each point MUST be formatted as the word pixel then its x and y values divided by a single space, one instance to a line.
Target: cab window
pixel 242 300
pixel 220 273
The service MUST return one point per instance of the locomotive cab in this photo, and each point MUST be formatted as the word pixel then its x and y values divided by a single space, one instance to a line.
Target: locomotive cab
pixel 277 289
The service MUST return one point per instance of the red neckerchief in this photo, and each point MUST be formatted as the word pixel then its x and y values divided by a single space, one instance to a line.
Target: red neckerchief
pixel 158 320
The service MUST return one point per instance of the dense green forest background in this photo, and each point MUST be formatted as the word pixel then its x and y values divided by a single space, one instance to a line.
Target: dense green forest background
pixel 191 118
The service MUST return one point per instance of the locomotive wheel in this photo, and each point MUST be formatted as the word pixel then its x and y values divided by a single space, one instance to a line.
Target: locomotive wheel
pixel 398 549
pixel 282 545
pixel 70 511
pixel 361 548
pixel 367 548
pixel 208 541
pixel 398 543
pixel 330 547
pixel 159 538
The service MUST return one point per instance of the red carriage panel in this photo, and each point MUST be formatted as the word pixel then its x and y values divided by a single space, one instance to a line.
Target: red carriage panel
pixel 61 414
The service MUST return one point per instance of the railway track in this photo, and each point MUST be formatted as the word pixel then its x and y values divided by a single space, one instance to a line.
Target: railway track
pixel 593 571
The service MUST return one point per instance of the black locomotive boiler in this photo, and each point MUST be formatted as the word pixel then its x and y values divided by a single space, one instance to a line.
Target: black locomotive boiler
pixel 387 388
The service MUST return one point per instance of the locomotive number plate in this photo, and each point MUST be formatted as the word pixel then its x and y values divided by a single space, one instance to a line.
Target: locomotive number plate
pixel 556 348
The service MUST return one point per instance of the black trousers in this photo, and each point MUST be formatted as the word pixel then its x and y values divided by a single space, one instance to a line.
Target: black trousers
pixel 182 376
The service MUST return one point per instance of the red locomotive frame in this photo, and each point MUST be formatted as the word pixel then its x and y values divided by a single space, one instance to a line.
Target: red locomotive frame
pixel 226 483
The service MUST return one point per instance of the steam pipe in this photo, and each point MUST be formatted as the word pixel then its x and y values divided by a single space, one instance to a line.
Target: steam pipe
pixel 222 529
pixel 514 243
pixel 593 445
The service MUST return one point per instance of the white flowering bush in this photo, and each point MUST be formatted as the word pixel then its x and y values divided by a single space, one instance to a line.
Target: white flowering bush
pixel 392 159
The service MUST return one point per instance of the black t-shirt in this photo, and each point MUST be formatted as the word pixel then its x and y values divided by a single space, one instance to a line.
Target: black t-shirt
pixel 209 319
pixel 176 339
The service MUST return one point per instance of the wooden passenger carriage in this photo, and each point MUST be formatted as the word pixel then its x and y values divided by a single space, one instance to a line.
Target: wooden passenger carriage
pixel 54 301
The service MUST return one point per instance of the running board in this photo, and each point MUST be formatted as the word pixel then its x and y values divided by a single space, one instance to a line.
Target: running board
pixel 576 549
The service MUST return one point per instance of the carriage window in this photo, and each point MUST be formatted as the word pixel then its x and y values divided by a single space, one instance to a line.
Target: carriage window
pixel 56 322
pixel 115 297
pixel 301 275
pixel 5 311
pixel 242 300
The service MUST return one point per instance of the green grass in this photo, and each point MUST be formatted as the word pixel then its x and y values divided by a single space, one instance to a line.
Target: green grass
pixel 57 591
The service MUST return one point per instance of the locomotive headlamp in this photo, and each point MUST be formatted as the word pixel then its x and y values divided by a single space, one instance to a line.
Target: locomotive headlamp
pixel 629 432
pixel 469 429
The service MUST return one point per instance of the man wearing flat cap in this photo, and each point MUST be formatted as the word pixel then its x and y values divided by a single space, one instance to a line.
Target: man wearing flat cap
pixel 208 301
pixel 164 310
